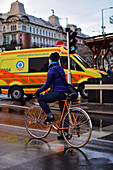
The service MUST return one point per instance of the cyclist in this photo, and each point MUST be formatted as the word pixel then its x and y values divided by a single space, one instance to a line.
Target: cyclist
pixel 58 90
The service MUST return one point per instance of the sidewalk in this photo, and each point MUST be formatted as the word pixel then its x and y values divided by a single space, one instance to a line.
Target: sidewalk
pixel 106 108
pixel 91 108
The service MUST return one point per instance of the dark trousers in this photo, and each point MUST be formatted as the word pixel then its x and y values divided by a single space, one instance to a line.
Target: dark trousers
pixel 51 97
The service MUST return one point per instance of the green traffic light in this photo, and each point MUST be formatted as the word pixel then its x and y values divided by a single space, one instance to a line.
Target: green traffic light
pixel 73 48
pixel 72 42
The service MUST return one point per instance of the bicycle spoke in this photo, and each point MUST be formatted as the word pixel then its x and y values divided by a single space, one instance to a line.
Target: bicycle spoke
pixel 34 122
pixel 80 128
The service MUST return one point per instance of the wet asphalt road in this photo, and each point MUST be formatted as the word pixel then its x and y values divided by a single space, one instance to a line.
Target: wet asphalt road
pixel 19 151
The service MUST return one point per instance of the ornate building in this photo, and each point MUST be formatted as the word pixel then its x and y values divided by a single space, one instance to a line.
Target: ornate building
pixel 43 33
pixel 17 25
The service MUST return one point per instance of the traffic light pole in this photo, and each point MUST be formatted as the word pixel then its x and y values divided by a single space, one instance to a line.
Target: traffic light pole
pixel 69 72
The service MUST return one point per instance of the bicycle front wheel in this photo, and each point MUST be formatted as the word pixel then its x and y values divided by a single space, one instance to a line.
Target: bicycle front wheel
pixel 34 122
pixel 77 127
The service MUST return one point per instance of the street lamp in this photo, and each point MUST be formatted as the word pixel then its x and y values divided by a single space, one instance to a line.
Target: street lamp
pixel 103 19
pixel 97 31
pixel 66 21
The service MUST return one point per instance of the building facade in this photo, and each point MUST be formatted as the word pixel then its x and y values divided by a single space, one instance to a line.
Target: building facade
pixel 43 33
pixel 16 23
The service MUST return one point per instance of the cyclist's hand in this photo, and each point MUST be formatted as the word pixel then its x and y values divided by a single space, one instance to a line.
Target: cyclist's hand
pixel 36 95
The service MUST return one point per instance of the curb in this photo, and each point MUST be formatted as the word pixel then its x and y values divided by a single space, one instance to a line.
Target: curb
pixel 13 108
pixel 19 109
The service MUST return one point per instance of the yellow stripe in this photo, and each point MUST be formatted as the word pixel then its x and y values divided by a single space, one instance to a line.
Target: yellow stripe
pixel 4 91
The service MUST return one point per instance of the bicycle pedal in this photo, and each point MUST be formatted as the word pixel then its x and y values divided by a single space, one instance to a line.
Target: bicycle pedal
pixel 69 136
pixel 47 123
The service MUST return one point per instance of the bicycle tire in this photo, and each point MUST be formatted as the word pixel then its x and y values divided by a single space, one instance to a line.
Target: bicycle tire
pixel 80 133
pixel 34 122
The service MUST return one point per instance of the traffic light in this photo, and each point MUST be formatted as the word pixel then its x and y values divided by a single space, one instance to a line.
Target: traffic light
pixel 72 42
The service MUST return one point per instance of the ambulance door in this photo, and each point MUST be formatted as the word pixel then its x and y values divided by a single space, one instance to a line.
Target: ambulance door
pixel 76 69
pixel 38 68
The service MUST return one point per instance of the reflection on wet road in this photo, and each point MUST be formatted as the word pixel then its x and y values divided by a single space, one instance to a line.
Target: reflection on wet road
pixel 19 151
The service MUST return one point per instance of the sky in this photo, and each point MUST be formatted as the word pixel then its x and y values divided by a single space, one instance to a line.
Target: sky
pixel 86 14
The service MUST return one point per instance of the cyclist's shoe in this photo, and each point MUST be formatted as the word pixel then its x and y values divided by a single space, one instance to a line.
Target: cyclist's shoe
pixel 49 120
pixel 60 137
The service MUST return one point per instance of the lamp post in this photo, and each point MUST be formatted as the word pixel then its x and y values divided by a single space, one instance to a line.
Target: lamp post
pixel 69 69
pixel 66 20
pixel 67 30
pixel 103 27
pixel 97 31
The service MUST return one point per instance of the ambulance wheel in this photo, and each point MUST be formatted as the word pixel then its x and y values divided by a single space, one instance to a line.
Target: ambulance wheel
pixel 17 93
pixel 83 92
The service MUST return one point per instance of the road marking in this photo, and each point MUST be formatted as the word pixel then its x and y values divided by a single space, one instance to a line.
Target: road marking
pixel 19 127
pixel 13 106
pixel 102 140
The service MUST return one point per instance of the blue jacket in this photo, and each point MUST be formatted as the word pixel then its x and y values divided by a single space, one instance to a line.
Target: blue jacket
pixel 54 79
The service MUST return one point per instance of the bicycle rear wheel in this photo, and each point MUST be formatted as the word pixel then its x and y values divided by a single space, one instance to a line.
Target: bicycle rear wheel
pixel 77 130
pixel 34 122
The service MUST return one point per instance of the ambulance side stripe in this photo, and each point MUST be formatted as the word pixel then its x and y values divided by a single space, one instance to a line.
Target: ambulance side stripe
pixel 30 51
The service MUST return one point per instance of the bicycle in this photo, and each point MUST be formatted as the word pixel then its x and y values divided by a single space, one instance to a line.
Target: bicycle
pixel 75 125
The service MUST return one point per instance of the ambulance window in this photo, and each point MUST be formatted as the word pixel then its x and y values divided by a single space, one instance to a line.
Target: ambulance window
pixel 38 64
pixel 73 64
pixel 64 62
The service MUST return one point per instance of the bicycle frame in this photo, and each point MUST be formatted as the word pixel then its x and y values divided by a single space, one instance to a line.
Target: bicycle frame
pixel 58 126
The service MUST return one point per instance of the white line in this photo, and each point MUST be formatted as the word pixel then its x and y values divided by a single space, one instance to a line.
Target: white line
pixel 19 127
pixel 22 107
pixel 101 140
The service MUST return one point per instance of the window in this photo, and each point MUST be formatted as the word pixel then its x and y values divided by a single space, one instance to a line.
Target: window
pixel 38 64
pixel 40 40
pixel 4 29
pixel 20 38
pixel 82 61
pixel 37 31
pixel 23 28
pixel 73 64
pixel 13 27
pixel 13 41
pixel 59 36
pixel 30 29
pixel 4 39
pixel 64 62
pixel 43 32
pixel 33 30
pixel 14 37
pixel 40 32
